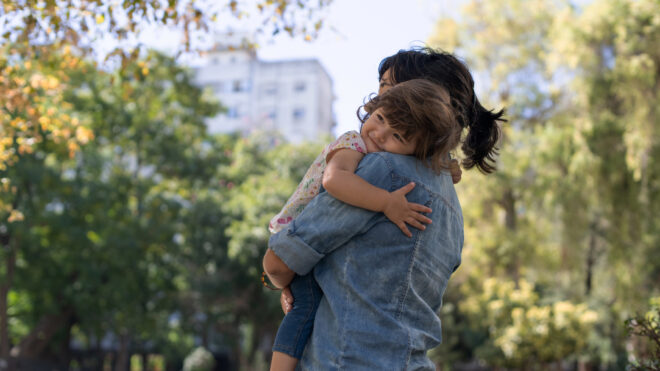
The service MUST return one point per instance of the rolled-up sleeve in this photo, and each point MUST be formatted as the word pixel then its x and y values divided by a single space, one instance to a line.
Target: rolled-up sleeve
pixel 327 223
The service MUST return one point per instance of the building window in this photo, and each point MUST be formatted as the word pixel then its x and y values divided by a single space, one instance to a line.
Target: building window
pixel 232 112
pixel 298 114
pixel 299 87
pixel 238 86
pixel 219 87
pixel 270 89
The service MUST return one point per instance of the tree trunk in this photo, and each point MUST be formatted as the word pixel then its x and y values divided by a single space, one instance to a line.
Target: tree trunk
pixel 123 357
pixel 65 352
pixel 592 254
pixel 4 293
pixel 34 343
pixel 591 260
pixel 509 204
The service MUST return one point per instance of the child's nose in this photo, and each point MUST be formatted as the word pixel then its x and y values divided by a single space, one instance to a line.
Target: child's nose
pixel 378 135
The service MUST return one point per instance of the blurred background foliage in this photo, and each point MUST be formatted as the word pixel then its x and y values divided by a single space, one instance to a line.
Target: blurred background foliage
pixel 562 243
pixel 125 226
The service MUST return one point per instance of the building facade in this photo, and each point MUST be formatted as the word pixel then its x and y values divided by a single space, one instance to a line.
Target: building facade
pixel 293 97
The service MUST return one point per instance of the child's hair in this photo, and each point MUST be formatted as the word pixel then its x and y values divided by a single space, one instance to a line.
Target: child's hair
pixel 422 112
pixel 446 70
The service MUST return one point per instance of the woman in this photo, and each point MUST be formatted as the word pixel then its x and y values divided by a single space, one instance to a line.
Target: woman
pixel 382 334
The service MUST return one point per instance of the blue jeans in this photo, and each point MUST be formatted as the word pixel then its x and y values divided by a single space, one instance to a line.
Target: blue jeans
pixel 296 327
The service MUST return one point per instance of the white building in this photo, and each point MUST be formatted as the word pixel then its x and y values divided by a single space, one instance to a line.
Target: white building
pixel 292 96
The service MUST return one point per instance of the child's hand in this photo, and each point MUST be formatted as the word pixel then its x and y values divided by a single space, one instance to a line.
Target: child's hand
pixel 286 300
pixel 400 211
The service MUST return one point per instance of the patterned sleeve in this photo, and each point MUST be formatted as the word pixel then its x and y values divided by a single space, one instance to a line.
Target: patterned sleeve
pixel 350 140
pixel 310 185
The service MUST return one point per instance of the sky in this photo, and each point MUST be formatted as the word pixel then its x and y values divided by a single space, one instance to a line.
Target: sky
pixel 357 35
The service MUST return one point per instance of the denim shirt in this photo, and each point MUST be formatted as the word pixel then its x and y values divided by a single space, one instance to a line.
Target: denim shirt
pixel 382 290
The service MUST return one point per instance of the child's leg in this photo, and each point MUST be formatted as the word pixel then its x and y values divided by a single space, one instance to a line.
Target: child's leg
pixel 296 327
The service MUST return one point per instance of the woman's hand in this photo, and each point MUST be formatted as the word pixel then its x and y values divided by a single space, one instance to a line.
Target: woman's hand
pixel 401 212
pixel 286 300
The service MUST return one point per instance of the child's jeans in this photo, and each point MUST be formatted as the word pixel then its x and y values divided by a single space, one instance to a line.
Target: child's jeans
pixel 296 327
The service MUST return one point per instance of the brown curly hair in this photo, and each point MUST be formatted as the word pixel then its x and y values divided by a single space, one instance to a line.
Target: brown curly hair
pixel 422 112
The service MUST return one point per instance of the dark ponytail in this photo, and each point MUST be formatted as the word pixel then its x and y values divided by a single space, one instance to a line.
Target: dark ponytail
pixel 480 145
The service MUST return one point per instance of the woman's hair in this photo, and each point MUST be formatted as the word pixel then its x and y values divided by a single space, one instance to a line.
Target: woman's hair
pixel 446 70
pixel 422 112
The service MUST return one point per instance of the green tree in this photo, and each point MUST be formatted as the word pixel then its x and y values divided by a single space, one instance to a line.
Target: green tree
pixel 132 197
pixel 99 242
pixel 35 116
pixel 35 33
pixel 83 23
pixel 153 232
pixel 46 42
pixel 570 207
pixel 263 177
pixel 647 329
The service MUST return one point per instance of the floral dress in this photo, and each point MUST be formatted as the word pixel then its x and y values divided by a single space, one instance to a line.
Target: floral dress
pixel 311 183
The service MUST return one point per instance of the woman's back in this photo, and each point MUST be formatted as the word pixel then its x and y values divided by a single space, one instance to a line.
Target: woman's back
pixel 382 289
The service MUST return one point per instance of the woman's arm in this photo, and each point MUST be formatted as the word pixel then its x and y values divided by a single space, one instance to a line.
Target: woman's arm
pixel 340 180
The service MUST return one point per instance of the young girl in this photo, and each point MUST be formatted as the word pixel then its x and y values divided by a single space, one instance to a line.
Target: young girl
pixel 399 121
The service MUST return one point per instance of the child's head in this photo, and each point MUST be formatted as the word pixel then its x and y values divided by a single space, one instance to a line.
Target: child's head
pixel 412 118
pixel 479 146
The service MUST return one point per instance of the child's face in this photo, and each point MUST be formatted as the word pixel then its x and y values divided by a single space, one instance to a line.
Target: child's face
pixel 379 136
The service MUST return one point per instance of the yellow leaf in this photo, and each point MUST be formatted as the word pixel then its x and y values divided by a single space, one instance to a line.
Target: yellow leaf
pixel 73 148
pixel 16 122
pixel 94 237
pixel 25 148
pixel 15 216
pixel 99 18
pixel 44 121
pixel 52 83
pixel 84 135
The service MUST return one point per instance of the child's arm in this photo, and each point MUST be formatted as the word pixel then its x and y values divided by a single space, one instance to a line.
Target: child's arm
pixel 340 181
